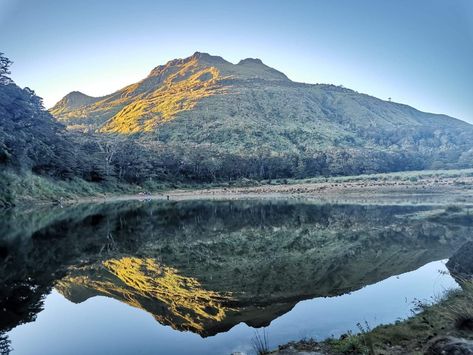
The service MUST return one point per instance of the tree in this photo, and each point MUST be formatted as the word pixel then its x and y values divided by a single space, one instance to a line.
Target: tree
pixel 33 98
pixel 5 64
pixel 109 148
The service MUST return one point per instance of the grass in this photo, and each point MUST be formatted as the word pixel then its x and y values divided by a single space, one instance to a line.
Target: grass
pixel 452 315
pixel 449 315
pixel 411 176
pixel 21 189
pixel 260 343
pixel 350 343
pixel 459 314
pixel 27 188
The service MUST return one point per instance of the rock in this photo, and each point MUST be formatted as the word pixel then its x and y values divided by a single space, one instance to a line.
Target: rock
pixel 450 346
pixel 302 347
pixel 460 264
pixel 293 351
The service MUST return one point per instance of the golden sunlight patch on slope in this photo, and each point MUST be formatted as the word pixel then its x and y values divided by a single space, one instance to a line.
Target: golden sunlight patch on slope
pixel 139 282
pixel 181 92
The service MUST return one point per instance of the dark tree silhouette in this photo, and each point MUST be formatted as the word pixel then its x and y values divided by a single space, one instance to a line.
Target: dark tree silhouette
pixel 5 64
pixel 5 348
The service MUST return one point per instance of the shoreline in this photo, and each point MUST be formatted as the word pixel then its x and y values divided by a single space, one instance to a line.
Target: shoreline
pixel 415 187
pixel 448 191
pixel 437 327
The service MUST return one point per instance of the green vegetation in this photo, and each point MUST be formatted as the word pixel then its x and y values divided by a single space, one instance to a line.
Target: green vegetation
pixel 202 120
pixel 452 316
pixel 350 344
pixel 28 187
pixel 412 176
pixel 449 316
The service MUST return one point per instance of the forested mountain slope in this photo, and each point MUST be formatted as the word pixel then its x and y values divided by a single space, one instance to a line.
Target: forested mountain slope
pixel 206 109
pixel 203 119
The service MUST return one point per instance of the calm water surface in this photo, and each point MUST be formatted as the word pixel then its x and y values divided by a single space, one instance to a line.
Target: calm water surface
pixel 201 277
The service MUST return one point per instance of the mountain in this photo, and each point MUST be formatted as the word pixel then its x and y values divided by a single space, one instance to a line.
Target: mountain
pixel 188 88
pixel 203 119
pixel 168 90
pixel 249 110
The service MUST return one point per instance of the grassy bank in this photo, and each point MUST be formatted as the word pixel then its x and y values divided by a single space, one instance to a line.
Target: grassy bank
pixel 27 188
pixel 397 176
pixel 452 315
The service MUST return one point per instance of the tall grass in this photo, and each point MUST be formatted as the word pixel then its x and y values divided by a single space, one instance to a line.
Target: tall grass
pixel 260 343
pixel 365 332
pixel 22 188
pixel 460 312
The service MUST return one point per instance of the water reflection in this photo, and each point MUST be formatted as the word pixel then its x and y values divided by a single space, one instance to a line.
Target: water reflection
pixel 205 267
pixel 173 299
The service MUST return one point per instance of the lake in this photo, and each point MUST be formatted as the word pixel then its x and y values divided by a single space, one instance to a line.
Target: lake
pixel 202 277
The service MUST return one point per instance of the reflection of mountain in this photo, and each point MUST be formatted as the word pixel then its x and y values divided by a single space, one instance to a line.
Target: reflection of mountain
pixel 205 267
pixel 173 299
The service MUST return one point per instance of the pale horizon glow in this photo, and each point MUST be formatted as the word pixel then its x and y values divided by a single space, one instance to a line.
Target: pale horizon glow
pixel 416 52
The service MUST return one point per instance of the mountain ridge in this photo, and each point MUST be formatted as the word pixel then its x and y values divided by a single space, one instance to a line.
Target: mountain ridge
pixel 248 112
pixel 167 85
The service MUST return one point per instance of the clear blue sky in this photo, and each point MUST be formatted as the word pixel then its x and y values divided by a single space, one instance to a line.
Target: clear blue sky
pixel 419 52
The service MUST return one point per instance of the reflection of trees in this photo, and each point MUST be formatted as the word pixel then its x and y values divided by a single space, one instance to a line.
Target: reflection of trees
pixel 261 252
pixel 21 300
pixel 5 348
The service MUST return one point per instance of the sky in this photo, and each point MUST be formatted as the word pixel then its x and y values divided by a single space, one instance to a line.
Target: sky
pixel 418 52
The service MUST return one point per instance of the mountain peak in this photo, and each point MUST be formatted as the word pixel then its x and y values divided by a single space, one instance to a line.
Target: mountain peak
pixel 72 101
pixel 201 55
pixel 255 67
pixel 206 57
pixel 77 99
pixel 249 68
pixel 250 61
pixel 76 94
